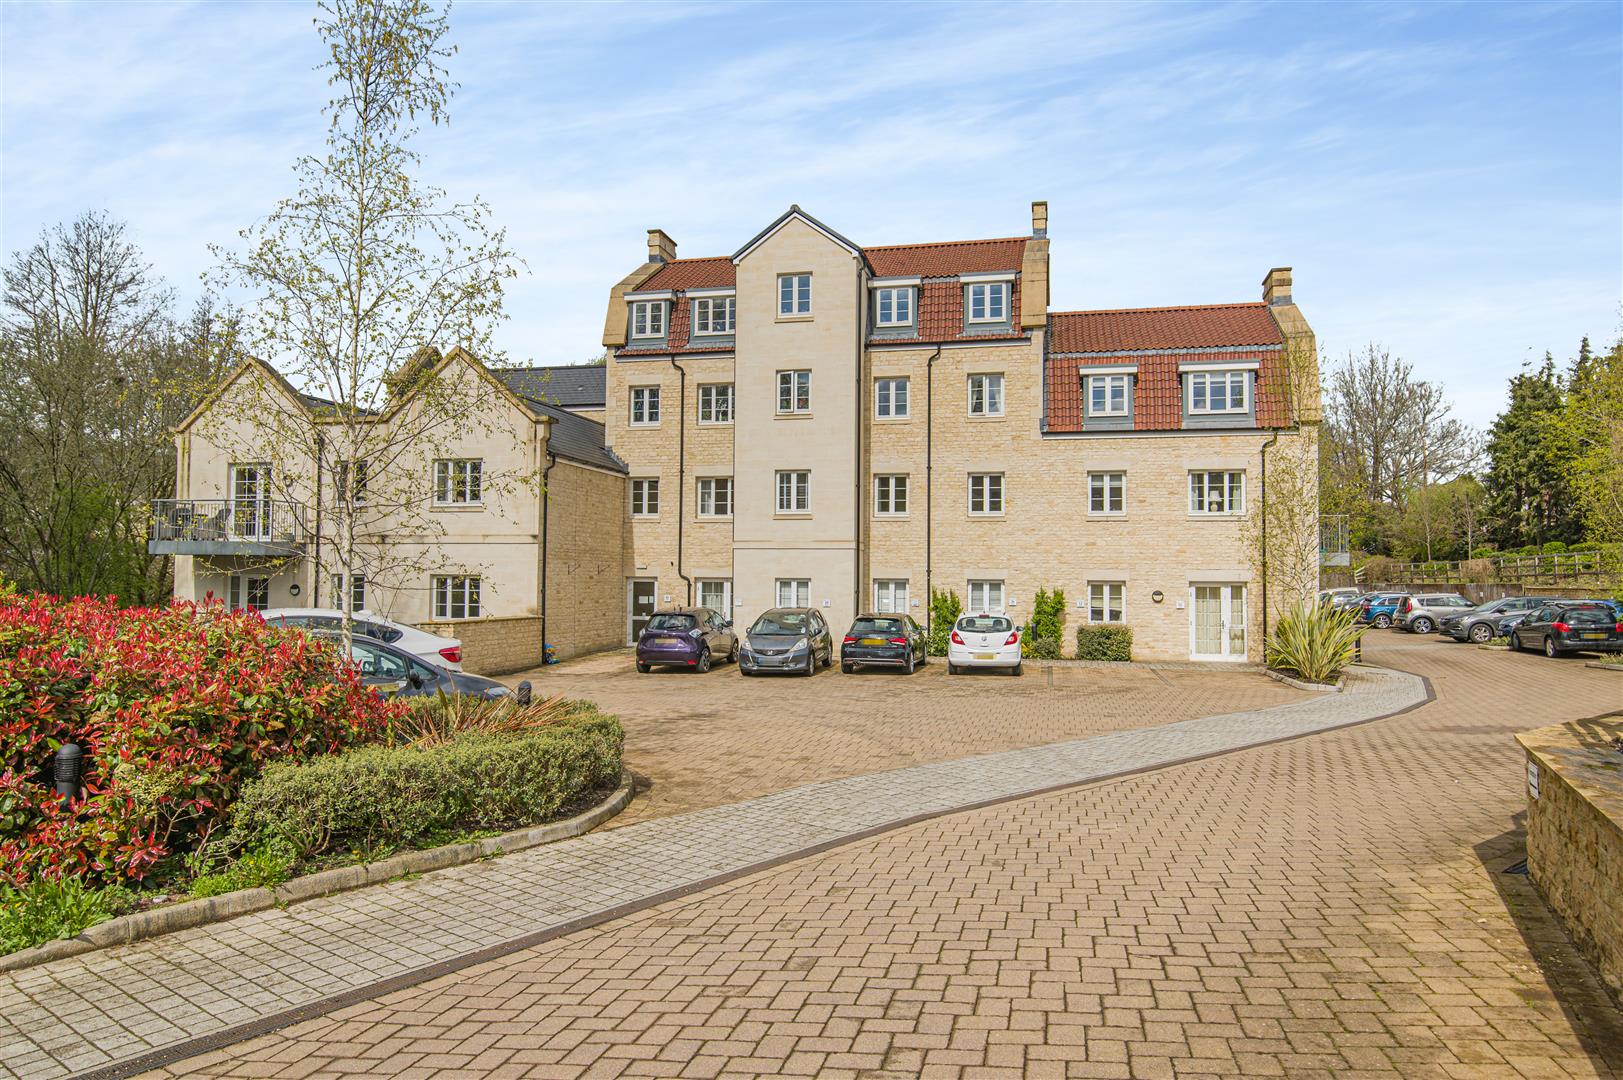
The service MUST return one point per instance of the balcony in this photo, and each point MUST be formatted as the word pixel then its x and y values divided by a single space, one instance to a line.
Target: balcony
pixel 255 527
pixel 1333 541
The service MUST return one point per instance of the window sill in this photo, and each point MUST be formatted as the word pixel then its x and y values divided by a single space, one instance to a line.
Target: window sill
pixel 892 517
pixel 794 318
pixel 712 517
pixel 792 416
pixel 714 423
pixel 644 517
pixel 987 416
pixel 1105 416
pixel 1107 515
pixel 892 419
pixel 458 508
pixel 973 516
pixel 792 514
pixel 895 328
pixel 637 426
pixel 1236 516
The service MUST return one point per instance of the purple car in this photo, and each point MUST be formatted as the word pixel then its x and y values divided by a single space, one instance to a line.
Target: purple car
pixel 686 637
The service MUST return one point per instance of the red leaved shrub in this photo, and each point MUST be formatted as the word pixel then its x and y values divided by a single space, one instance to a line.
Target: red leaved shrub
pixel 175 709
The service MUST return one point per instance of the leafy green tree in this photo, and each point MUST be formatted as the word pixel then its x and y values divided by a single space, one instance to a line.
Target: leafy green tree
pixel 1531 455
pixel 1592 425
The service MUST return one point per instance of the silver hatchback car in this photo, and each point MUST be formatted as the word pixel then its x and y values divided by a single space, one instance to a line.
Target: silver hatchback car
pixel 1422 612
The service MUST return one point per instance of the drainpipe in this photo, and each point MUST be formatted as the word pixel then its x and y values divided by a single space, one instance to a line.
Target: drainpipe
pixel 681 469
pixel 1263 560
pixel 315 585
pixel 860 519
pixel 546 506
pixel 929 482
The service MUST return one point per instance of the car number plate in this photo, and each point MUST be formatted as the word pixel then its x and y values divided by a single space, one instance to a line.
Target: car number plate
pixel 1593 637
pixel 667 641
pixel 986 656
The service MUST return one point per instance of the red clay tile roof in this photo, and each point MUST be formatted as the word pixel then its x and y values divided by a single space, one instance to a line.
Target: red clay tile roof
pixel 1203 326
pixel 1162 338
pixel 679 274
pixel 948 258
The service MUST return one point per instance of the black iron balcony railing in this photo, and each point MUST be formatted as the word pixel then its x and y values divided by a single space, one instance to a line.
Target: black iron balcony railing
pixel 243 526
pixel 1334 548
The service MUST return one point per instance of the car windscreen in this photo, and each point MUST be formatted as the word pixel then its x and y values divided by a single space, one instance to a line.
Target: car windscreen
pixel 313 622
pixel 985 624
pixel 672 623
pixel 876 626
pixel 787 623
pixel 1587 615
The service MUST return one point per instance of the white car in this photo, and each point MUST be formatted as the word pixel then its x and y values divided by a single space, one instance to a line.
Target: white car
pixel 444 651
pixel 989 641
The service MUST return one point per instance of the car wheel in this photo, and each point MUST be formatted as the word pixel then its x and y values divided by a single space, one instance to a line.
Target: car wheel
pixel 908 669
pixel 732 653
pixel 1382 622
pixel 847 668
pixel 811 665
pixel 642 667
pixel 952 668
pixel 1549 646
pixel 1515 642
pixel 1016 670
pixel 1421 626
pixel 1481 633
pixel 704 661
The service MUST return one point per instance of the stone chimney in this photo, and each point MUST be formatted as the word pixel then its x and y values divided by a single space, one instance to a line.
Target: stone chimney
pixel 1039 218
pixel 1276 287
pixel 661 248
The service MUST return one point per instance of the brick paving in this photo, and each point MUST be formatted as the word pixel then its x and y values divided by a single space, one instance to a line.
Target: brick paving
pixel 1324 907
pixel 107 1007
pixel 708 740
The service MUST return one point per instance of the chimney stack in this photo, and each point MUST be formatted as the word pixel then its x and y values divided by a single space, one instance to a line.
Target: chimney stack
pixel 1039 218
pixel 661 248
pixel 1276 287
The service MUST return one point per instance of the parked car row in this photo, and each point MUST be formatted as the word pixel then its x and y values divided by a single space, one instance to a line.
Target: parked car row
pixel 1556 626
pixel 798 641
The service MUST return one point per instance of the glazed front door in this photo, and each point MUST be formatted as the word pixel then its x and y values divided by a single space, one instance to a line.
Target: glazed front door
pixel 1217 622
pixel 643 602
pixel 251 502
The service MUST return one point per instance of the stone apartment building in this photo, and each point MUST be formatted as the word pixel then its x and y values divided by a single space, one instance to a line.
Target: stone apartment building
pixel 812 421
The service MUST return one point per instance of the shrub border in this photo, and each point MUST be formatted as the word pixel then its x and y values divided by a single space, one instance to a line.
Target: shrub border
pixel 192 913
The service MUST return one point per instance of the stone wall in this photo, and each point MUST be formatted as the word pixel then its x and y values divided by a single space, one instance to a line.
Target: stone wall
pixel 586 584
pixel 1575 833
pixel 494 646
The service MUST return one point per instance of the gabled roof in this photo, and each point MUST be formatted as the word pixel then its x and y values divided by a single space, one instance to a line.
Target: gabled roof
pixel 795 213
pixel 569 435
pixel 1204 326
pixel 573 386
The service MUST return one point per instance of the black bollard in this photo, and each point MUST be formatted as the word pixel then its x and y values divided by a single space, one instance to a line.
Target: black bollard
pixel 69 761
pixel 523 693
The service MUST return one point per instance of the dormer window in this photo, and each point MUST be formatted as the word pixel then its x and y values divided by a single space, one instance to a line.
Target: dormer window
pixel 1109 395
pixel 988 301
pixel 713 315
pixel 1217 391
pixel 648 319
pixel 894 307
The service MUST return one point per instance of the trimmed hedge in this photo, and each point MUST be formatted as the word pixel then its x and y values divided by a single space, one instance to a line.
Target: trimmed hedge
pixel 1105 641
pixel 1041 648
pixel 382 796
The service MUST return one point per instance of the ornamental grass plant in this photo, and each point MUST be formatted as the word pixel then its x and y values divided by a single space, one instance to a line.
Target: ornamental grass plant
pixel 1314 641
pixel 441 718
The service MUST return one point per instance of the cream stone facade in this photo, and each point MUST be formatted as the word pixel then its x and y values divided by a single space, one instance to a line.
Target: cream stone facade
pixel 1189 583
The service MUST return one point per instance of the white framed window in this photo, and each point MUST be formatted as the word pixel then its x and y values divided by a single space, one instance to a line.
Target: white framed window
pixel 644 406
pixel 890 399
pixel 890 495
pixel 794 294
pixel 346 473
pixel 794 391
pixel 989 302
pixel 713 315
pixel 894 307
pixel 986 395
pixel 456 596
pixel 1106 603
pixel 645 497
pixel 794 592
pixel 986 494
pixel 459 481
pixel 1217 492
pixel 1217 391
pixel 356 595
pixel 648 318
pixel 716 497
pixel 717 595
pixel 794 492
pixel 716 403
pixel 890 595
pixel 985 597
pixel 251 593
pixel 1109 395
pixel 1107 493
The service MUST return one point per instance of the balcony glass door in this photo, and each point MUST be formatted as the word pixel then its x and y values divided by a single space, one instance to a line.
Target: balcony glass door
pixel 251 502
pixel 1217 622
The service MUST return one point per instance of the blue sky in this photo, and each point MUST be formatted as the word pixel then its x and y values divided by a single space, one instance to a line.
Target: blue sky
pixel 1444 178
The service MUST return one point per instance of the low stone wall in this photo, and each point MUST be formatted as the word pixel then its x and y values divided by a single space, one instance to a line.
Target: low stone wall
pixel 495 646
pixel 1575 833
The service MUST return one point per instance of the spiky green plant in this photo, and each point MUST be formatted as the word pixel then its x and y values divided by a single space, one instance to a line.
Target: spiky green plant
pixel 1314 641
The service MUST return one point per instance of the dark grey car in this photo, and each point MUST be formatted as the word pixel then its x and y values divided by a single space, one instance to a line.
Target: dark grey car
pixel 787 639
pixel 1487 621
pixel 390 671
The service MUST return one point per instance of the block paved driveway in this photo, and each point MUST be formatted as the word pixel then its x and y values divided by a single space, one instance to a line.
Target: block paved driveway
pixel 1331 906
pixel 709 740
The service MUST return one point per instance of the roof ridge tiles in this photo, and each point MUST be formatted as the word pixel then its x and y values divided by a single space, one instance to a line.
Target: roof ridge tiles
pixel 946 243
pixel 1169 307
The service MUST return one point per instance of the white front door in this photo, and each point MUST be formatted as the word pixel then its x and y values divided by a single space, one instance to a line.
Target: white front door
pixel 1217 622
pixel 251 502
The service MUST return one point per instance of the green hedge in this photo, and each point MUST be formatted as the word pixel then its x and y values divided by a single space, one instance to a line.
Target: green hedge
pixel 1041 648
pixel 381 796
pixel 1105 641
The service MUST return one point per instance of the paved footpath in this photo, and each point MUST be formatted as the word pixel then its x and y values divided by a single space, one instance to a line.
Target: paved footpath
pixel 112 1009
pixel 1334 906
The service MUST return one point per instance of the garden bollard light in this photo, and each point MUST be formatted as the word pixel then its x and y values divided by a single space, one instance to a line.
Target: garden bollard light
pixel 522 694
pixel 69 759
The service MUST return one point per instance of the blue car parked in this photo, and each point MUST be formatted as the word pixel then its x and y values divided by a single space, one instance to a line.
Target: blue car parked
pixel 1381 610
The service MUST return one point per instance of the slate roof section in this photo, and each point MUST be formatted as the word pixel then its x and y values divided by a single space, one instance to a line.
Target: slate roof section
pixel 570 436
pixel 574 386
pixel 1157 340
